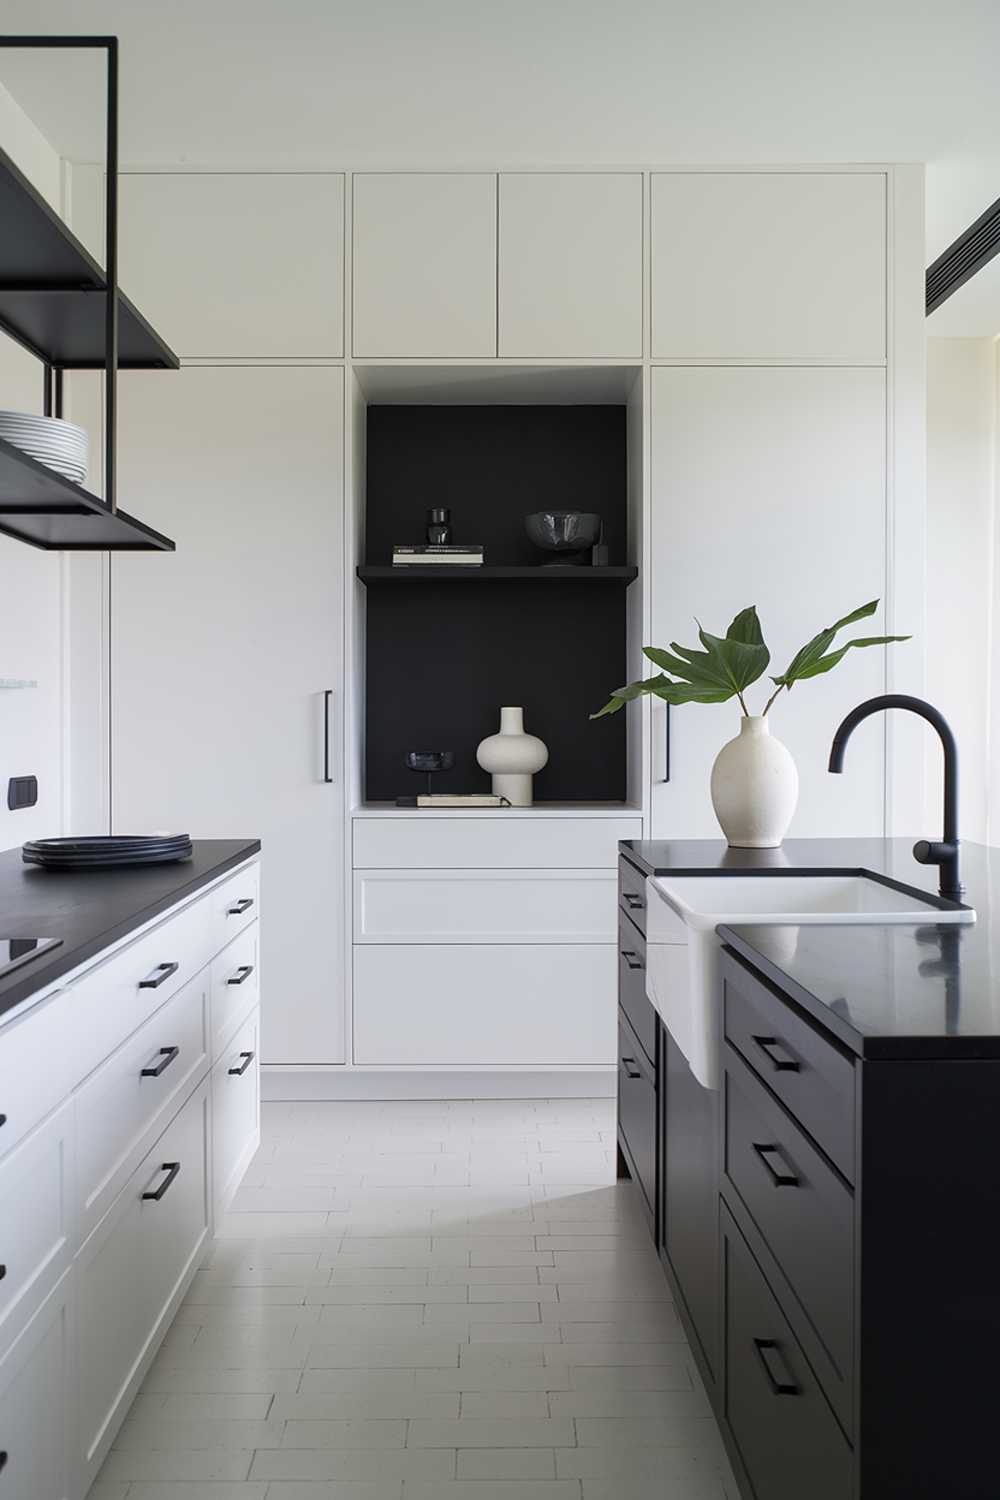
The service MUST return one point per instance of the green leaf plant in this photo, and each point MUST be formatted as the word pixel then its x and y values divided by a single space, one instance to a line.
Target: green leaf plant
pixel 729 664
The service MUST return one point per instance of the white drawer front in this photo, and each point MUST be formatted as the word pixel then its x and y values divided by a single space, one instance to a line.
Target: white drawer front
pixel 234 904
pixel 40 1063
pixel 234 985
pixel 36 1400
pixel 120 1107
pixel 485 906
pixel 491 843
pixel 495 1005
pixel 36 1228
pixel 235 1111
pixel 129 1272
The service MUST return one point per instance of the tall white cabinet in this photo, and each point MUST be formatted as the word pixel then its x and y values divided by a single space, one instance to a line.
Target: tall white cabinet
pixel 223 654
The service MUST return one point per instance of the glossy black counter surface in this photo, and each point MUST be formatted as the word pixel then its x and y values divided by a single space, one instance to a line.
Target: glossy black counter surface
pixel 91 909
pixel 885 992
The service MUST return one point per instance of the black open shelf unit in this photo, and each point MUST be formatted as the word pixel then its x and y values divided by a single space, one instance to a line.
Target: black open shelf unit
pixel 445 573
pixel 446 647
pixel 57 302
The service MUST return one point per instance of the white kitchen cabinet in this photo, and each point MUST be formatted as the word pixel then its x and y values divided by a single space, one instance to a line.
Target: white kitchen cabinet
pixel 235 1111
pixel 222 654
pixel 37 1396
pixel 132 1268
pixel 570 265
pixel 492 1005
pixel 768 488
pixel 484 906
pixel 780 265
pixel 497 841
pixel 37 1212
pixel 237 264
pixel 424 265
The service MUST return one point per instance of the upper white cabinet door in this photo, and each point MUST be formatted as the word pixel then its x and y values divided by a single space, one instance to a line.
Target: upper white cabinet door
pixel 769 265
pixel 222 653
pixel 425 252
pixel 768 488
pixel 570 269
pixel 237 264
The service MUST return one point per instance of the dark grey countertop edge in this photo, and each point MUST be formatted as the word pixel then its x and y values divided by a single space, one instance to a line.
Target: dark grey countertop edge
pixel 871 1048
pixel 37 976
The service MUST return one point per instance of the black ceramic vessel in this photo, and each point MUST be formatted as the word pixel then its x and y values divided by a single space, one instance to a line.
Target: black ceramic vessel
pixel 569 534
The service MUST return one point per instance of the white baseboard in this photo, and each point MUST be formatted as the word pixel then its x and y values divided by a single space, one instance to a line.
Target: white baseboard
pixel 298 1083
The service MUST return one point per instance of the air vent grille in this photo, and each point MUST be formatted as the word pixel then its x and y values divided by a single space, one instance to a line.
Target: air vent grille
pixel 964 257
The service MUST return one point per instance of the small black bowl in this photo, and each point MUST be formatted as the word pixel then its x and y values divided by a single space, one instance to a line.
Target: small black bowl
pixel 569 533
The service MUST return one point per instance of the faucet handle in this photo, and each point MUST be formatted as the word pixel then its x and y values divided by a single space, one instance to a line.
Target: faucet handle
pixel 934 852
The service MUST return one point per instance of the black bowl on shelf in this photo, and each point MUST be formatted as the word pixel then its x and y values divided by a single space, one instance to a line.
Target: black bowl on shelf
pixel 570 534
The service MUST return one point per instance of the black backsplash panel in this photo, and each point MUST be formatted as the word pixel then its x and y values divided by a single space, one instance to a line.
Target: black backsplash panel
pixel 492 466
pixel 443 658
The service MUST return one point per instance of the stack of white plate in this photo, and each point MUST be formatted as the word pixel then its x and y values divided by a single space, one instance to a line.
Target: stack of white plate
pixel 59 445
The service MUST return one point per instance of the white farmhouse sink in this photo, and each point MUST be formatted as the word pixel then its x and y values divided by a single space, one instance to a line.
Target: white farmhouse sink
pixel 682 947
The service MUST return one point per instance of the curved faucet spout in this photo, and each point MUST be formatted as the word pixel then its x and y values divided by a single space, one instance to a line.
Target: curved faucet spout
pixel 943 853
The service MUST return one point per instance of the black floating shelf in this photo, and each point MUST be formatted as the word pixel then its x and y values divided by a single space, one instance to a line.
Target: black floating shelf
pixel 412 573
pixel 41 507
pixel 53 292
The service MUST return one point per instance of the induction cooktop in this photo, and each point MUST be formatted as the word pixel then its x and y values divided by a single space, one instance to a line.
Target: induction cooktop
pixel 17 951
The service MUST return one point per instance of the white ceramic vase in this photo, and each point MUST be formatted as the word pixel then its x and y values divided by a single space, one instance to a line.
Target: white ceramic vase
pixel 512 758
pixel 755 787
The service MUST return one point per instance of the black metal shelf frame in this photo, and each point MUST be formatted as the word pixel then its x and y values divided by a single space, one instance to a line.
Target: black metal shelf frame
pixel 37 495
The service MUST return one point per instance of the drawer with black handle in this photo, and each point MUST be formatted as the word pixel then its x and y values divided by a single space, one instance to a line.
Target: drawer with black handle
pixel 785 1430
pixel 637 1112
pixel 632 995
pixel 804 1213
pixel 632 893
pixel 807 1071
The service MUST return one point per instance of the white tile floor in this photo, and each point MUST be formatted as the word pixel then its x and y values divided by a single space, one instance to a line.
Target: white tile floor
pixel 426 1301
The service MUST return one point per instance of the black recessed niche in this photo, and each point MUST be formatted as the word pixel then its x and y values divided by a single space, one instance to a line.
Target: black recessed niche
pixel 443 654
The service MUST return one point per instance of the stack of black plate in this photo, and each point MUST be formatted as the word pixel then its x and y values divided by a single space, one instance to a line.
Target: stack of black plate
pixel 103 853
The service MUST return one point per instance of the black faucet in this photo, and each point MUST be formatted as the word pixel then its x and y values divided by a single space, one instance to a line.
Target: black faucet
pixel 944 854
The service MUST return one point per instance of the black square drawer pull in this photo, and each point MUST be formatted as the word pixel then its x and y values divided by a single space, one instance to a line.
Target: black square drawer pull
pixel 167 1055
pixel 632 959
pixel 247 1060
pixel 778 1177
pixel 777 1055
pixel 240 907
pixel 242 973
pixel 171 1168
pixel 779 1377
pixel 159 974
pixel 628 1063
pixel 634 902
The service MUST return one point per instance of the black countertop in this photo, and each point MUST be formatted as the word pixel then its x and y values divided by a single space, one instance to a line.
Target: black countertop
pixel 885 992
pixel 91 909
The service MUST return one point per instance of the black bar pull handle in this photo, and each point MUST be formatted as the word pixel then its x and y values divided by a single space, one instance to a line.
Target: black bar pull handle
pixel 778 1177
pixel 3 1272
pixel 327 697
pixel 3 1119
pixel 666 742
pixel 3 1459
pixel 242 974
pixel 779 1377
pixel 777 1055
pixel 161 973
pixel 247 1060
pixel 634 902
pixel 167 1055
pixel 628 1063
pixel 239 907
pixel 171 1168
pixel 632 959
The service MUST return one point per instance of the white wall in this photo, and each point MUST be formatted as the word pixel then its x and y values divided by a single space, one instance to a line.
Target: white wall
pixel 31 594
pixel 961 573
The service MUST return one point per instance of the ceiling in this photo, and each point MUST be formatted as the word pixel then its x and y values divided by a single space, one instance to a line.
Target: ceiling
pixel 465 82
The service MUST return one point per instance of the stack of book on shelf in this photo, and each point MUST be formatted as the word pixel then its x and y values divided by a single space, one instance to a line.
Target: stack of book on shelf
pixel 446 555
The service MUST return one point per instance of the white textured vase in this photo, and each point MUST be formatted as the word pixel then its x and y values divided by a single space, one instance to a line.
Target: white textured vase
pixel 755 787
pixel 512 758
